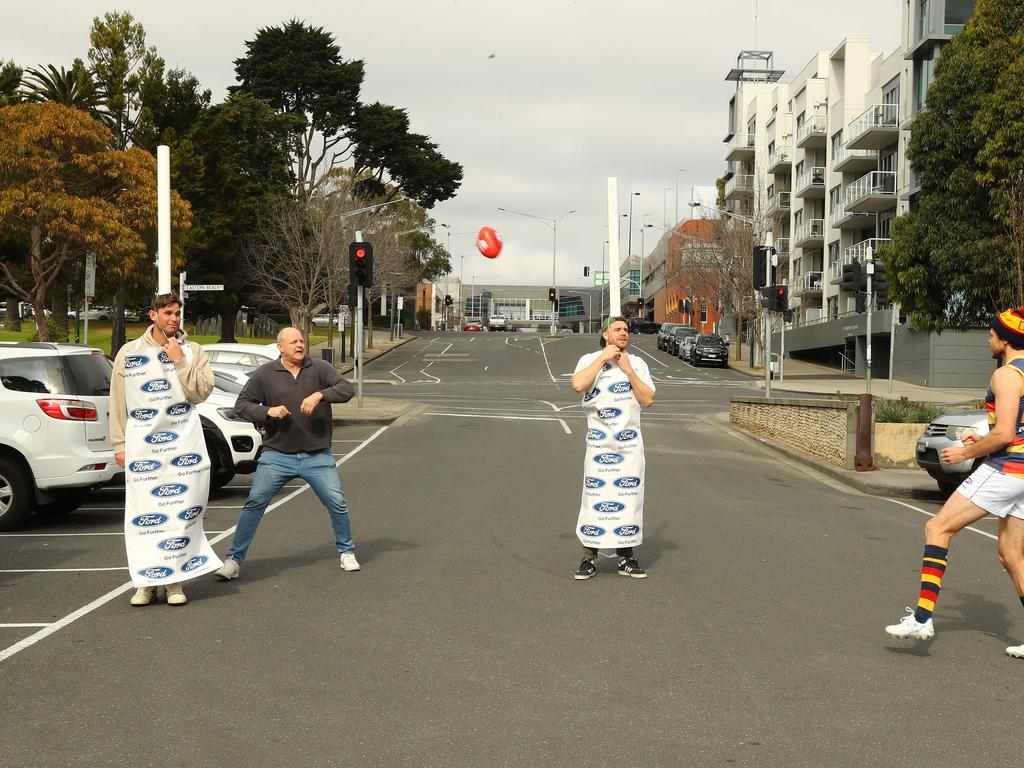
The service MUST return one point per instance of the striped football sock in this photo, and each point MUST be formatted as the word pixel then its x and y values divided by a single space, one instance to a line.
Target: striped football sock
pixel 932 569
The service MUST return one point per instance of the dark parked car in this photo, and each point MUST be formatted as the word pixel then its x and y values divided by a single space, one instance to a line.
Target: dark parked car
pixel 710 348
pixel 663 334
pixel 678 335
pixel 639 325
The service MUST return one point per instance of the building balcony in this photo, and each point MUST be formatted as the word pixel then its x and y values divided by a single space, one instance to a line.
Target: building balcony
pixel 877 127
pixel 842 218
pixel 779 204
pixel 858 252
pixel 871 193
pixel 741 147
pixel 807 284
pixel 782 247
pixel 811 183
pixel 780 160
pixel 813 133
pixel 855 160
pixel 741 185
pixel 811 232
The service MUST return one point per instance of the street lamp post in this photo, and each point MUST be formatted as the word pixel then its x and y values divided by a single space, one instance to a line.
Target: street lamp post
pixel 629 237
pixel 553 223
pixel 678 171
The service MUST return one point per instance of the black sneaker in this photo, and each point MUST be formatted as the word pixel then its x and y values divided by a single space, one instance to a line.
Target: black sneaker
pixel 586 570
pixel 628 566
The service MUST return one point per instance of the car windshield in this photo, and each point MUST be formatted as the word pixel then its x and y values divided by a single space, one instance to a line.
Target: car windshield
pixel 226 383
pixel 710 338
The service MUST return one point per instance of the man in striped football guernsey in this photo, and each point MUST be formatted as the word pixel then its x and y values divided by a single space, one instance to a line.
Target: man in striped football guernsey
pixel 996 487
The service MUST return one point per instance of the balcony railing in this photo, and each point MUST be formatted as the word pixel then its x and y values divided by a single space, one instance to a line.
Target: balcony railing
pixel 780 159
pixel 858 252
pixel 877 126
pixel 809 282
pixel 742 184
pixel 811 182
pixel 812 131
pixel 872 192
pixel 782 246
pixel 841 218
pixel 779 203
pixel 846 159
pixel 810 230
pixel 741 147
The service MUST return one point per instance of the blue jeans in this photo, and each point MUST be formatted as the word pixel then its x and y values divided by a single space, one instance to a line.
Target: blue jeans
pixel 273 471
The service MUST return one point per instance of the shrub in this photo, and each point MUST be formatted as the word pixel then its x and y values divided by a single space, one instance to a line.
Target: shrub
pixel 903 411
pixel 423 318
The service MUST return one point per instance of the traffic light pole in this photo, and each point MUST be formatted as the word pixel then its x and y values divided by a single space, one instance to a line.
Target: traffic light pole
pixel 357 342
pixel 769 257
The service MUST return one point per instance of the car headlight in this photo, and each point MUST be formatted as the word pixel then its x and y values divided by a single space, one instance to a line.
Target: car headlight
pixel 958 433
pixel 229 414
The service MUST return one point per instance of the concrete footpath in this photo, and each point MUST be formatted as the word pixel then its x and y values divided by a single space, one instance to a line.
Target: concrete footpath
pixel 375 410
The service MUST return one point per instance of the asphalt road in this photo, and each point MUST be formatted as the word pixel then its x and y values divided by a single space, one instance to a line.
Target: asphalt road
pixel 464 641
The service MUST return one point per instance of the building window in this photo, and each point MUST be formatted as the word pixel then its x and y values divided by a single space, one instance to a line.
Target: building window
pixel 800 120
pixel 835 197
pixel 833 307
pixel 704 313
pixel 885 224
pixel 833 252
pixel 957 14
pixel 891 92
pixel 837 142
pixel 923 19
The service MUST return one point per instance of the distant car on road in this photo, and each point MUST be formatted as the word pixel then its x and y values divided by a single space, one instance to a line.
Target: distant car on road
pixel 94 313
pixel 709 348
pixel 472 327
pixel 664 332
pixel 678 335
pixel 945 432
pixel 566 331
pixel 639 325
pixel 684 348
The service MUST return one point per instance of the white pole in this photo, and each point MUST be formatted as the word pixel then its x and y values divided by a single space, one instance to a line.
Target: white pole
pixel 768 258
pixel 895 309
pixel 163 218
pixel 182 282
pixel 614 302
pixel 357 341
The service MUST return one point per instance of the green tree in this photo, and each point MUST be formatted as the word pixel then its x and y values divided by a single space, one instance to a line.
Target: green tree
pixel 10 83
pixel 952 261
pixel 72 88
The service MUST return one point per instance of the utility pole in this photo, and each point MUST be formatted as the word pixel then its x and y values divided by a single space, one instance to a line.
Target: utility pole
pixel 870 272
pixel 768 264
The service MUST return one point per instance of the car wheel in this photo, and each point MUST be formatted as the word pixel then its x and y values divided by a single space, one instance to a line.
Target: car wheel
pixel 15 494
pixel 66 502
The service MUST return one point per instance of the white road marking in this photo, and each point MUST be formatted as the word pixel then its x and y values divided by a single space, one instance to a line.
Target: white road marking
pixel 544 352
pixel 436 380
pixel 11 626
pixel 495 416
pixel 932 514
pixel 62 570
pixel 99 602
pixel 392 372
pixel 565 427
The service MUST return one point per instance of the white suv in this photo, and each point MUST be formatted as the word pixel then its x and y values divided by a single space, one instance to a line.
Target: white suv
pixel 54 437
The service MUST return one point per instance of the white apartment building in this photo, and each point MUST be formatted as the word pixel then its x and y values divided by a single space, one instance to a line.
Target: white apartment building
pixel 819 160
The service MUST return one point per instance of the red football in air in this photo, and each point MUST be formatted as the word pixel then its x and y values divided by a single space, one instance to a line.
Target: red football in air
pixel 489 242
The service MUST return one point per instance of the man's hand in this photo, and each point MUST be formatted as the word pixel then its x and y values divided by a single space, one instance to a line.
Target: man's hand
pixel 624 365
pixel 174 350
pixel 311 402
pixel 119 458
pixel 954 455
pixel 610 352
pixel 278 412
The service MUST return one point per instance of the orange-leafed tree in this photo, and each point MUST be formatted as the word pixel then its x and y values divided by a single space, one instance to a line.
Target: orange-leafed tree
pixel 66 192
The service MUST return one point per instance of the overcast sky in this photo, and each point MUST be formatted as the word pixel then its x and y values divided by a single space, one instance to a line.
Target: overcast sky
pixel 539 100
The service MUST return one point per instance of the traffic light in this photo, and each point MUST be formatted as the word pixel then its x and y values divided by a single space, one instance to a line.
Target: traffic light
pixel 879 284
pixel 448 300
pixel 552 295
pixel 586 271
pixel 360 263
pixel 853 276
pixel 780 298
pixel 761 253
pixel 861 302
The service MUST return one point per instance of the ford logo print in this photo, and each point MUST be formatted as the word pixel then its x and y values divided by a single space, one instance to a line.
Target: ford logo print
pixel 196 562
pixel 163 358
pixel 627 530
pixel 157 572
pixel 186 460
pixel 159 438
pixel 591 395
pixel 627 434
pixel 619 387
pixel 178 409
pixel 169 489
pixel 608 413
pixel 191 513
pixel 593 482
pixel 628 482
pixel 150 520
pixel 606 367
pixel 141 466
pixel 143 414
pixel 156 385
pixel 609 458
pixel 595 434
pixel 592 530
pixel 175 544
pixel 134 361
pixel 607 507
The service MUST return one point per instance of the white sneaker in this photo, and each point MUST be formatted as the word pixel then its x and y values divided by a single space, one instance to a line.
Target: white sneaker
pixel 349 562
pixel 229 570
pixel 174 594
pixel 1017 651
pixel 910 628
pixel 143 596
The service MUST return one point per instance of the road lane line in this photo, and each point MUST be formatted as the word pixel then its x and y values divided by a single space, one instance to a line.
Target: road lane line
pixel 565 427
pixel 436 380
pixel 62 570
pixel 14 626
pixel 493 416
pixel 932 514
pixel 99 602
pixel 392 372
pixel 544 352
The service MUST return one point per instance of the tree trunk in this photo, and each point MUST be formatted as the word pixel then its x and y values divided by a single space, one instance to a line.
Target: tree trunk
pixel 59 302
pixel 227 326
pixel 41 329
pixel 12 320
pixel 117 325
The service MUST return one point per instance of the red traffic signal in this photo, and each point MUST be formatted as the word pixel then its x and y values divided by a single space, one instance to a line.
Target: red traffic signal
pixel 360 263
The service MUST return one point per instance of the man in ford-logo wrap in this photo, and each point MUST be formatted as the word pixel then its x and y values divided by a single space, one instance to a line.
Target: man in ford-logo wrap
pixel 293 397
pixel 156 382
pixel 616 385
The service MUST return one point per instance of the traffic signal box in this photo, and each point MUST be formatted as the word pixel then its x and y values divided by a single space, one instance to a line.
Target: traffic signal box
pixel 552 295
pixel 360 263
pixel 775 298
pixel 448 300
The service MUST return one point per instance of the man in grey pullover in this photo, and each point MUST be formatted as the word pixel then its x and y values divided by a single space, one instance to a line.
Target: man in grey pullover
pixel 293 397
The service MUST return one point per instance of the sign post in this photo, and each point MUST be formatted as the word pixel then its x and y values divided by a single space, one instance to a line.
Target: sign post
pixel 90 290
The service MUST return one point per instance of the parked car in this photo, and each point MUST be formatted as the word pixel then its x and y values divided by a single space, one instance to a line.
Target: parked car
pixel 94 313
pixel 640 325
pixel 233 443
pixel 54 437
pixel 679 333
pixel 251 355
pixel 566 331
pixel 710 348
pixel 684 350
pixel 664 332
pixel 946 432
pixel 324 320
pixel 472 327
